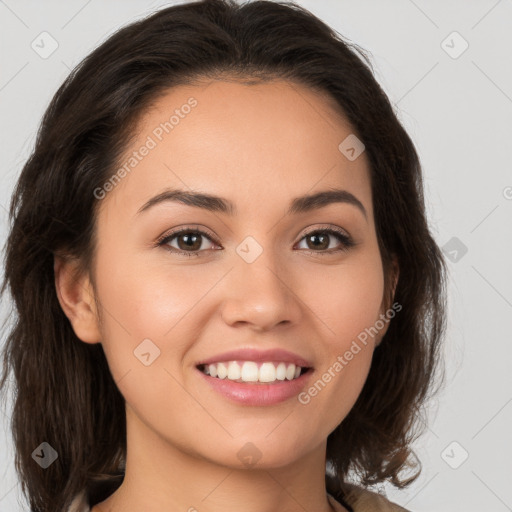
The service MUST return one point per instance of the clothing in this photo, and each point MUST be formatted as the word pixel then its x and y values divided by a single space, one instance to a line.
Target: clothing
pixel 356 500
pixel 363 500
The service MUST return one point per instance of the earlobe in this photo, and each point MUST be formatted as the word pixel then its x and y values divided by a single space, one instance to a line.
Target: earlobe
pixel 76 297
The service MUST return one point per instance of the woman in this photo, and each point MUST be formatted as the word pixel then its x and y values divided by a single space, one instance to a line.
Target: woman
pixel 227 295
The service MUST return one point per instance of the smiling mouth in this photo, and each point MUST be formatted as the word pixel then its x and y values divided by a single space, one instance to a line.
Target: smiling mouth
pixel 253 372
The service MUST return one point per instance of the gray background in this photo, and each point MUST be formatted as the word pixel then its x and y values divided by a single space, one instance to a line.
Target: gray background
pixel 457 108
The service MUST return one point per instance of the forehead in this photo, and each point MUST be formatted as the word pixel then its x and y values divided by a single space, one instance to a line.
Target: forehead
pixel 256 144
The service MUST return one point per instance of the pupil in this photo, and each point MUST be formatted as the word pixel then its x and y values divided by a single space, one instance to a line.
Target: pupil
pixel 191 245
pixel 192 239
pixel 320 236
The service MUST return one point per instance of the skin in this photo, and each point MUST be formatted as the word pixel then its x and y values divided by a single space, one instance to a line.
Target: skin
pixel 259 146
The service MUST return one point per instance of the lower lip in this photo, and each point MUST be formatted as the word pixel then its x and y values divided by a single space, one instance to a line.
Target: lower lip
pixel 258 394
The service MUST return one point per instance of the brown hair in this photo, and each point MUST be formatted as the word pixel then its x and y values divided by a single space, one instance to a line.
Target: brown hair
pixel 85 129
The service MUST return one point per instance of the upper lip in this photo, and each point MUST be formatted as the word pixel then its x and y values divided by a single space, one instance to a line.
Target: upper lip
pixel 257 355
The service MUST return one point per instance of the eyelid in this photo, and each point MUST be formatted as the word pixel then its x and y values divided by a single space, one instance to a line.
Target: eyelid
pixel 345 238
pixel 324 227
pixel 186 229
pixel 198 227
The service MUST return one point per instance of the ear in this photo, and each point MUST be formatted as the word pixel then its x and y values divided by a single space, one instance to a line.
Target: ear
pixel 392 280
pixel 76 298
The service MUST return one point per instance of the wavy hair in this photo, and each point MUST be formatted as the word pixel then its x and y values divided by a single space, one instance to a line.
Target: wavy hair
pixel 87 126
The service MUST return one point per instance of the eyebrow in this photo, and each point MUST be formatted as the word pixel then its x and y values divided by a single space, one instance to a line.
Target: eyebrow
pixel 213 203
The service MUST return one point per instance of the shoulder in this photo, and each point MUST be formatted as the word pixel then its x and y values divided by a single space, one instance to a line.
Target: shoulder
pixel 364 500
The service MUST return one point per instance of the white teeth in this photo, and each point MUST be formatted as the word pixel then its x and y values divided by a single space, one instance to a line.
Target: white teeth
pixel 222 371
pixel 290 371
pixel 281 371
pixel 267 372
pixel 233 371
pixel 248 371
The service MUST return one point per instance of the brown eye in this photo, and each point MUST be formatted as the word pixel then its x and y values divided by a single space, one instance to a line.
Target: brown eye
pixel 189 241
pixel 319 240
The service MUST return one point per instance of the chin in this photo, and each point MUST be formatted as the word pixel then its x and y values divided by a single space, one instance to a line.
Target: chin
pixel 259 453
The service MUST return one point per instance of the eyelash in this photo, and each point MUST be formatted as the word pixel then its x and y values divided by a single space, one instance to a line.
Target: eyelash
pixel 345 240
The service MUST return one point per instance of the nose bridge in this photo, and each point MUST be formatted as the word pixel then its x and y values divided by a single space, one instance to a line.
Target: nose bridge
pixel 258 292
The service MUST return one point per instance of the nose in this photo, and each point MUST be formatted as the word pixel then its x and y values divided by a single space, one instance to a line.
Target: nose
pixel 260 294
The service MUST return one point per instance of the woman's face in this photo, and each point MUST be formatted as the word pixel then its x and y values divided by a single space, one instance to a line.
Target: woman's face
pixel 258 281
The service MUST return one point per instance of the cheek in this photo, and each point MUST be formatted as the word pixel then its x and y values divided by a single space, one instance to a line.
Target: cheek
pixel 346 299
pixel 146 332
pixel 144 300
pixel 143 312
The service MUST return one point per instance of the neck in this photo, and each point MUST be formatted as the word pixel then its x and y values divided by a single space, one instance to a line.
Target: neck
pixel 161 477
